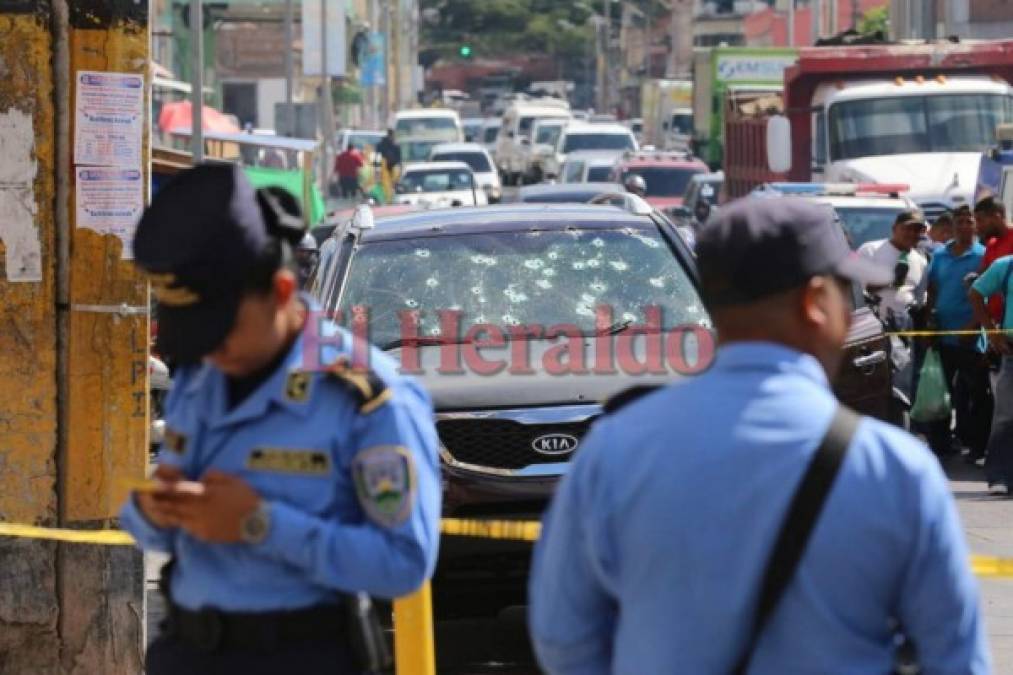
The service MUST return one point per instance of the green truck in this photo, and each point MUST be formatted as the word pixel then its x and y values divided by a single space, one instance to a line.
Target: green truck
pixel 722 71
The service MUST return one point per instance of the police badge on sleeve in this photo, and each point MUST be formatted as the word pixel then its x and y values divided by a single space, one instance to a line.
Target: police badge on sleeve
pixel 385 483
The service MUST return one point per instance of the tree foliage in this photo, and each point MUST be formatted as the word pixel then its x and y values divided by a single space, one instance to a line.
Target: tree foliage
pixel 875 20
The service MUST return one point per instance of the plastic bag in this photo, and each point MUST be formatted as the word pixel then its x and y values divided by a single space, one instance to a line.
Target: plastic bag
pixel 932 400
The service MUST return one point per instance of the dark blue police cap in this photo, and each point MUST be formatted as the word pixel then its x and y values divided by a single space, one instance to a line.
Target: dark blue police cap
pixel 756 247
pixel 198 241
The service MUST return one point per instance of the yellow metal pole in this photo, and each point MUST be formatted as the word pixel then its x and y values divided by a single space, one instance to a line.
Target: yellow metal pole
pixel 414 649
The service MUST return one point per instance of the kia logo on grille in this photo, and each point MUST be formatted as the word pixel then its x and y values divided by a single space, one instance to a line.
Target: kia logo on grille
pixel 555 444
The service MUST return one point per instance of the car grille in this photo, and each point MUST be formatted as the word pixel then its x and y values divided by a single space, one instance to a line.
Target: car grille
pixel 503 444
pixel 932 210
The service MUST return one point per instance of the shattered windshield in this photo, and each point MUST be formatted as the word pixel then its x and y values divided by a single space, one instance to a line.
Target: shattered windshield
pixel 520 279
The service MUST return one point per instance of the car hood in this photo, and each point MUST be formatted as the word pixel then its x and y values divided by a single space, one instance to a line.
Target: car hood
pixel 945 177
pixel 662 203
pixel 469 390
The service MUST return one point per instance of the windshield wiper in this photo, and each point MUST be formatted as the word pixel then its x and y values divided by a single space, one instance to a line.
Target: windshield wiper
pixel 420 340
pixel 615 328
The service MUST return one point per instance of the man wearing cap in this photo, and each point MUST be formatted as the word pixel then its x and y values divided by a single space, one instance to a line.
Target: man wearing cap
pixel 899 253
pixel 653 550
pixel 299 467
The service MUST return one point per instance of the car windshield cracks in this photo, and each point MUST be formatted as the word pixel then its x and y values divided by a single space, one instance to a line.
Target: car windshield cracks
pixel 541 278
pixel 575 142
pixel 663 181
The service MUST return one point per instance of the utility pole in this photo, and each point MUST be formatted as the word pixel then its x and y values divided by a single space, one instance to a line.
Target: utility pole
pixel 288 124
pixel 817 18
pixel 385 31
pixel 74 353
pixel 197 80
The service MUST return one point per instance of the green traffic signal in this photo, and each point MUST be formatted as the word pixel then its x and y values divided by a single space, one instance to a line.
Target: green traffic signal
pixel 465 51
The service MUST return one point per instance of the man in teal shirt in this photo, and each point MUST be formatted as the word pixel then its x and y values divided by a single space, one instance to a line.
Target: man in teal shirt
pixel 995 281
pixel 966 374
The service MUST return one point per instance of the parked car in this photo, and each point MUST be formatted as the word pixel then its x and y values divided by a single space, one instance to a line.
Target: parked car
pixel 441 123
pixel 515 133
pixel 579 136
pixel 544 135
pixel 359 138
pixel 490 131
pixel 477 157
pixel 510 422
pixel 566 193
pixel 590 166
pixel 666 174
pixel 866 210
pixel 439 185
pixel 472 127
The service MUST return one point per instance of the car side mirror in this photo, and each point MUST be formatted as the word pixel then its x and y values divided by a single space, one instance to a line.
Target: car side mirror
pixel 779 144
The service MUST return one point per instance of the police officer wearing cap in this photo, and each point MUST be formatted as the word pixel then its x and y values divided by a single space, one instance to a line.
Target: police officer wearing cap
pixel 299 468
pixel 660 538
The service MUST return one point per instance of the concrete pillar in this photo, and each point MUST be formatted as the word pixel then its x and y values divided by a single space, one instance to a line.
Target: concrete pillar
pixel 73 373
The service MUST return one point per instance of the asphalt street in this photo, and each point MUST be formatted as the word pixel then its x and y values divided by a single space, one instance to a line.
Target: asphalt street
pixel 986 521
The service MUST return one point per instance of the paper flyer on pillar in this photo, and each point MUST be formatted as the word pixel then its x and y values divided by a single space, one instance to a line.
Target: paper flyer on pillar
pixel 109 119
pixel 110 201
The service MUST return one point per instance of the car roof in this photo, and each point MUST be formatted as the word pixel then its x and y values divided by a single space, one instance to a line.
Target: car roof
pixel 644 162
pixel 561 188
pixel 502 218
pixel 460 147
pixel 435 166
pixel 417 113
pixel 596 128
pixel 863 201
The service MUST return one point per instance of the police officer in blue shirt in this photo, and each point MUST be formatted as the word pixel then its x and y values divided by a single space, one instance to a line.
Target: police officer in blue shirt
pixel 299 468
pixel 653 550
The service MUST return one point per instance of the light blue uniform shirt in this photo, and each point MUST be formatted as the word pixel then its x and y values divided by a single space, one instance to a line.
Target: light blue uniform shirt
pixel 322 538
pixel 652 552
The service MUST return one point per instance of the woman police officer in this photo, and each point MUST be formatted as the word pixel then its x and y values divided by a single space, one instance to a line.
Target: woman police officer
pixel 293 472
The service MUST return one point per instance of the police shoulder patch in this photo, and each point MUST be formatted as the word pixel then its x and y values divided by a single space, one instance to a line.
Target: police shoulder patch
pixel 384 478
pixel 368 388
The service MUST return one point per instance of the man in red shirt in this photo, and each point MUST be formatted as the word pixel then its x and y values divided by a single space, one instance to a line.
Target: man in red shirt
pixel 347 167
pixel 993 231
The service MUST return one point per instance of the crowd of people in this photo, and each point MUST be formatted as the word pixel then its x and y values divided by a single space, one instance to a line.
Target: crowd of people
pixel 949 289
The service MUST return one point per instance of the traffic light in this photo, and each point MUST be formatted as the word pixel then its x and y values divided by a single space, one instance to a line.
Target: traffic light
pixel 464 51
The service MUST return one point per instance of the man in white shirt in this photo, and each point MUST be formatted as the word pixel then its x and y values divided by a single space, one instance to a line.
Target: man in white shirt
pixel 900 254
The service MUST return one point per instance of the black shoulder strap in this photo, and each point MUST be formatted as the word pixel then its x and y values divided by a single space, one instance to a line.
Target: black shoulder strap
pixel 798 524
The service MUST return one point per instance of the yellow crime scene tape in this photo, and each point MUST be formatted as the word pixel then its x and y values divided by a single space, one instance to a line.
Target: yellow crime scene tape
pixel 940 333
pixel 513 530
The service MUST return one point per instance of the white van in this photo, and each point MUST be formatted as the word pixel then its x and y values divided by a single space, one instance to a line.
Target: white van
pixel 436 123
pixel 515 133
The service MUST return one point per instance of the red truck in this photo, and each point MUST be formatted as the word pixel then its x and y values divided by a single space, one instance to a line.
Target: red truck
pixel 919 114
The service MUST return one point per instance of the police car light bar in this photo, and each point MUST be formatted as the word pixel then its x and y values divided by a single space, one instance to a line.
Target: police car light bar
pixel 842 189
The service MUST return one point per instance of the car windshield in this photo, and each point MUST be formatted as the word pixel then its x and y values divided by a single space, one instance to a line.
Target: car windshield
pixel 547 134
pixel 417 151
pixel 663 181
pixel 490 134
pixel 435 180
pixel 532 278
pixel 907 124
pixel 360 140
pixel 442 126
pixel 524 127
pixel 598 174
pixel 478 161
pixel 575 142
pixel 682 123
pixel 868 223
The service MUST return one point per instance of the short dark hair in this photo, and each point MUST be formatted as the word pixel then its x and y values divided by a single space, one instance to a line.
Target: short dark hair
pixel 945 218
pixel 905 217
pixel 989 204
pixel 962 211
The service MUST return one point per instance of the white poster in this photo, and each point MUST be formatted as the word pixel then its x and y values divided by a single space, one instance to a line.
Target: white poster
pixel 110 201
pixel 109 119
pixel 312 36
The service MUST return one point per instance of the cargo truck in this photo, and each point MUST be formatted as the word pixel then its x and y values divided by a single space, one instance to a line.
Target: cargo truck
pixel 719 71
pixel 919 114
pixel 666 107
